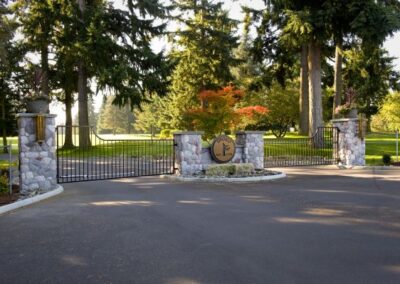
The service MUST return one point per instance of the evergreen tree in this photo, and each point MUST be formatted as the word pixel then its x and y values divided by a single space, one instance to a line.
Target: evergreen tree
pixel 65 73
pixel 370 73
pixel 153 116
pixel 114 119
pixel 9 71
pixel 388 117
pixel 92 40
pixel 282 45
pixel 371 21
pixel 204 52
pixel 92 114
pixel 37 19
pixel 114 48
pixel 247 73
pixel 315 23
pixel 4 28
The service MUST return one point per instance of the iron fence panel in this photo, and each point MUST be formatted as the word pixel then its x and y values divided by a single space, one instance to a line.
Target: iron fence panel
pixel 110 158
pixel 320 149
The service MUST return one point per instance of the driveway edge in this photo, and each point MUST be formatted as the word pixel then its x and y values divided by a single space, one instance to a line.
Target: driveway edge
pixel 28 201
pixel 223 179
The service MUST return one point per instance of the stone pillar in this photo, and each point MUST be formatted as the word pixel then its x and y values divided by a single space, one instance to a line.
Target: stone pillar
pixel 253 147
pixel 37 161
pixel 188 152
pixel 351 146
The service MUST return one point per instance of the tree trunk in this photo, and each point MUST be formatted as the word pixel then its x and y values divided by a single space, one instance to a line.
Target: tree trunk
pixel 314 85
pixel 338 84
pixel 303 100
pixel 368 118
pixel 83 114
pixel 68 142
pixel 44 83
pixel 4 130
pixel 84 131
pixel 44 80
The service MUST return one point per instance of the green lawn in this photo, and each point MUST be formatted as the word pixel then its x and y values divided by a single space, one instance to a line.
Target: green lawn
pixel 128 148
pixel 379 144
pixel 13 141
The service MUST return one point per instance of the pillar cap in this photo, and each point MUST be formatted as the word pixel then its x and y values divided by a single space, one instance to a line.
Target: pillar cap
pixel 250 132
pixel 28 115
pixel 188 133
pixel 344 119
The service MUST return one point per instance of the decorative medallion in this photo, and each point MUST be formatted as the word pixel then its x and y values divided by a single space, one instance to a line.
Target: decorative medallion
pixel 223 149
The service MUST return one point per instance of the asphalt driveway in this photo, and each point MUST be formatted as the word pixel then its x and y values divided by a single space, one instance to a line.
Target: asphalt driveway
pixel 316 226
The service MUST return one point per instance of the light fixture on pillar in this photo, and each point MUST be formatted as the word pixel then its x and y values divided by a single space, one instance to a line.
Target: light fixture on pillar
pixel 40 128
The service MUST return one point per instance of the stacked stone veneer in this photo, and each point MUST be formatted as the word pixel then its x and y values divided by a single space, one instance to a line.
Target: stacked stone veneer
pixel 253 147
pixel 191 158
pixel 38 167
pixel 351 147
pixel 188 152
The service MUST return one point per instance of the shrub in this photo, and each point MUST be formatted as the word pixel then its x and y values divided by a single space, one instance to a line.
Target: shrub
pixel 244 169
pixel 165 133
pixel 3 184
pixel 386 159
pixel 219 111
pixel 220 170
pixel 224 170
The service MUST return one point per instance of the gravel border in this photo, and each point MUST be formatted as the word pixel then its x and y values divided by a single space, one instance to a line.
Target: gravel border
pixel 31 200
pixel 227 179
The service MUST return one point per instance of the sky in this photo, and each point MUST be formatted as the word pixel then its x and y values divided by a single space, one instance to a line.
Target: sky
pixel 392 45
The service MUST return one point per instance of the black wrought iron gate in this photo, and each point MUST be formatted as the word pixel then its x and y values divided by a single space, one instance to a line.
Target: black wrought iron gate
pixel 320 149
pixel 103 159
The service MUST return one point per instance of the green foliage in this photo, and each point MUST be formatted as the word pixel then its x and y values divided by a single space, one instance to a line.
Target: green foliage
pixel 3 184
pixel 220 111
pixel 203 52
pixel 247 73
pixel 114 119
pixel 370 73
pixel 134 70
pixel 10 55
pixel 222 170
pixel 279 58
pixel 388 117
pixel 153 116
pixel 166 133
pixel 217 112
pixel 112 44
pixel 225 170
pixel 245 169
pixel 284 26
pixel 386 159
pixel 283 108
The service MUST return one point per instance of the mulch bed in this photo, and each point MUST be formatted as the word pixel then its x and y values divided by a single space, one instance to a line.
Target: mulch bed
pixel 10 198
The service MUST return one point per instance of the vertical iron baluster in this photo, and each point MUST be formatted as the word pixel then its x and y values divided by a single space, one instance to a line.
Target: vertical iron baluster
pixel 92 154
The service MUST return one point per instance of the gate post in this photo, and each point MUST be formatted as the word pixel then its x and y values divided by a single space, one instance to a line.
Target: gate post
pixel 351 143
pixel 37 153
pixel 253 151
pixel 188 152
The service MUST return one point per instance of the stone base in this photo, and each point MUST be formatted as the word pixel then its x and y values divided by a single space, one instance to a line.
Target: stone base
pixel 351 147
pixel 38 166
pixel 192 159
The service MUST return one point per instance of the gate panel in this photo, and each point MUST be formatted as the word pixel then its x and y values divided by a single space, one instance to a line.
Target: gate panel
pixel 110 158
pixel 321 149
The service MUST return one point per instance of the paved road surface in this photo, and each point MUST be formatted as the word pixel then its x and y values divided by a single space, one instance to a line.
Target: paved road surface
pixel 316 226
